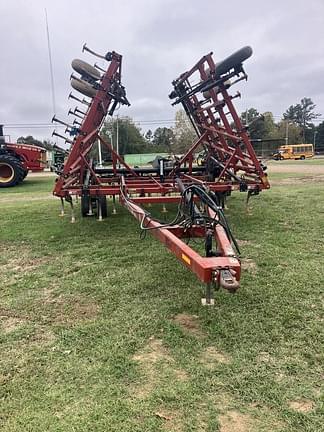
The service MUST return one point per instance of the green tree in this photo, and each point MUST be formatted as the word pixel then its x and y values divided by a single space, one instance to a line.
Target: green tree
pixel 290 130
pixel 319 138
pixel 130 138
pixel 183 133
pixel 261 127
pixel 149 136
pixel 29 139
pixel 255 122
pixel 309 134
pixel 249 116
pixel 302 114
pixel 163 138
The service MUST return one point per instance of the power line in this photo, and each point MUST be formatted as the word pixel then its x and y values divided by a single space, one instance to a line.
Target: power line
pixel 35 125
pixel 31 126
pixel 50 64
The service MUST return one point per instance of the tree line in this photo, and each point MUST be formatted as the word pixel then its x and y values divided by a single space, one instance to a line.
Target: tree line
pixel 295 126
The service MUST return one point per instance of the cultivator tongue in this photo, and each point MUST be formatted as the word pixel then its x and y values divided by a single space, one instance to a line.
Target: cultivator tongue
pixel 228 162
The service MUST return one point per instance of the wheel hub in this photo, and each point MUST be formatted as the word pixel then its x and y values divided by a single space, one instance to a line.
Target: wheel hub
pixel 6 172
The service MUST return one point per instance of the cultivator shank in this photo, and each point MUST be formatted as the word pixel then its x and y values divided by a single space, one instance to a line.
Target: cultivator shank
pixel 199 190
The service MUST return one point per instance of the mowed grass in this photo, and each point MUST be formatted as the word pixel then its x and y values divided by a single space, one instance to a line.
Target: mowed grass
pixel 35 186
pixel 102 331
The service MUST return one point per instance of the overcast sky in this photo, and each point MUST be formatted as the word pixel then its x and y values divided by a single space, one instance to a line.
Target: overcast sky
pixel 159 39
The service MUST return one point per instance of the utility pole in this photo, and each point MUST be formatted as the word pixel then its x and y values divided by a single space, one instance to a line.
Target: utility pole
pixel 50 67
pixel 117 136
pixel 315 133
pixel 287 132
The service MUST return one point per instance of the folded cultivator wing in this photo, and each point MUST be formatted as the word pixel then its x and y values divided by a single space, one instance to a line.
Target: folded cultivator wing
pixel 229 163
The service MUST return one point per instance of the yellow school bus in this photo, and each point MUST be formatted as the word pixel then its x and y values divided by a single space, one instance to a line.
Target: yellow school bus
pixel 294 151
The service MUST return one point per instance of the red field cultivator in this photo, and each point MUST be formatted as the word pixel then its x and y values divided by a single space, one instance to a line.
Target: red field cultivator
pixel 229 163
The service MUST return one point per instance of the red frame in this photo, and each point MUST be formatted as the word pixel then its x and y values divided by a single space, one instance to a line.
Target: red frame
pixel 220 132
pixel 206 268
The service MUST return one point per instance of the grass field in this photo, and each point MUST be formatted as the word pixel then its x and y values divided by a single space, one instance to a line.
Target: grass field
pixel 102 331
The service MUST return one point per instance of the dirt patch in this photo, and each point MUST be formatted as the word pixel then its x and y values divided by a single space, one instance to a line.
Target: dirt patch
pixel 154 352
pixel 264 357
pixel 11 320
pixel 171 420
pixel 41 338
pixel 249 265
pixel 22 265
pixel 19 261
pixel 296 180
pixel 9 313
pixel 189 324
pixel 48 295
pixel 87 310
pixel 280 377
pixel 67 309
pixel 243 243
pixel 4 379
pixel 10 324
pixel 211 357
pixel 222 401
pixel 181 375
pixel 234 421
pixel 298 168
pixel 302 405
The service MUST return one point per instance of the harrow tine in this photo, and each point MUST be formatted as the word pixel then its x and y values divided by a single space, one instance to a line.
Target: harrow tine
pixel 99 68
pixel 56 120
pixel 68 199
pixel 54 133
pixel 114 211
pixel 62 208
pixel 105 57
pixel 83 101
pixel 90 212
pixel 72 213
pixel 76 109
pixel 99 212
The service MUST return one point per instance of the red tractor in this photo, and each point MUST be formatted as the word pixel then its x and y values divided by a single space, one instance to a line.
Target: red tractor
pixel 17 159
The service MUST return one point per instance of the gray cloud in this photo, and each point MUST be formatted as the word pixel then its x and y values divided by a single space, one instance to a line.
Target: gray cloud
pixel 159 40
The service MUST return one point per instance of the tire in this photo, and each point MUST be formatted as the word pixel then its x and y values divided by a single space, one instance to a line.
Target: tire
pixel 302 157
pixel 11 171
pixel 102 203
pixel 85 69
pixel 83 87
pixel 233 60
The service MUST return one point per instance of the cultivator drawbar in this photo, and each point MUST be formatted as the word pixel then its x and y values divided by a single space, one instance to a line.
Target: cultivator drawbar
pixel 229 163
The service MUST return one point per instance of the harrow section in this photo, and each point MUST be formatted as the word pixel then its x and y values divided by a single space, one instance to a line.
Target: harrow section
pixel 199 190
